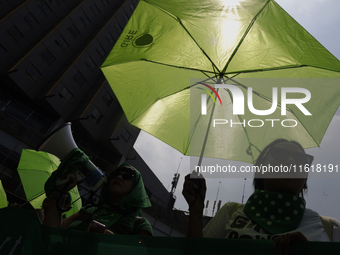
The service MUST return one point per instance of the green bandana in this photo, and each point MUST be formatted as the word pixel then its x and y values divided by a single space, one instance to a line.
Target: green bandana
pixel 125 212
pixel 275 212
pixel 75 158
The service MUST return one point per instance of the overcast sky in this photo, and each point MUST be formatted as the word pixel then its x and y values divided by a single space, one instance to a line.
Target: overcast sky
pixel 321 19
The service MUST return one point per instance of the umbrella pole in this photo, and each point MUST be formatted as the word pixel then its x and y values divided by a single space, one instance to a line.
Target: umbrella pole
pixel 205 138
pixel 219 81
pixel 28 201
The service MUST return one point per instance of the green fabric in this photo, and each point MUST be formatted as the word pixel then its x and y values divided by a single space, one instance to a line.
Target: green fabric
pixel 143 225
pixel 76 202
pixel 165 44
pixel 3 197
pixel 276 213
pixel 138 196
pixel 124 213
pixel 22 233
pixel 35 168
pixel 74 159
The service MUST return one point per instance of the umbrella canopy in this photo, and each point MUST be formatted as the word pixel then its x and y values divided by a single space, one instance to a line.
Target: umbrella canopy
pixel 170 48
pixel 34 168
pixel 3 197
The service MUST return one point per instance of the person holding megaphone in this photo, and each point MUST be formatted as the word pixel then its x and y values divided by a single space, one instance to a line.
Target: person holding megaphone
pixel 118 210
pixel 121 198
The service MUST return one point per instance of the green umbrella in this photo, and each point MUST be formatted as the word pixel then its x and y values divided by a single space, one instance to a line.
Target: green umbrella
pixel 168 49
pixel 3 197
pixel 34 168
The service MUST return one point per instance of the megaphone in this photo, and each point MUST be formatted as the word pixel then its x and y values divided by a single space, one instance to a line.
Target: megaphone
pixel 75 162
pixel 59 142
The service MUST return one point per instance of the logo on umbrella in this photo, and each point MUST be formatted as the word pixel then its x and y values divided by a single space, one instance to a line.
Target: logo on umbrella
pixel 140 41
pixel 204 98
pixel 239 103
pixel 143 40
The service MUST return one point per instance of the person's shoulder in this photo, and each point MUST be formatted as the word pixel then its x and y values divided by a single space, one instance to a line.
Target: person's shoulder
pixel 311 212
pixel 142 226
pixel 231 205
pixel 335 222
pixel 332 228
pixel 228 209
pixel 216 226
pixel 330 224
pixel 142 221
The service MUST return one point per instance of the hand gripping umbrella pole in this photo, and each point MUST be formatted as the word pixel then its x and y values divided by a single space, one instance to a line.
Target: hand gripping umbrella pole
pixel 194 176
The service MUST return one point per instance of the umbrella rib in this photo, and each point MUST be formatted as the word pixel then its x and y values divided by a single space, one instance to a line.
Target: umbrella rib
pixel 214 66
pixel 202 71
pixel 206 80
pixel 243 37
pixel 288 109
pixel 211 78
pixel 216 73
pixel 256 93
pixel 36 196
pixel 240 118
pixel 215 76
pixel 271 69
pixel 203 81
pixel 180 22
pixel 162 9
pixel 279 68
pixel 180 67
pixel 307 129
pixel 276 68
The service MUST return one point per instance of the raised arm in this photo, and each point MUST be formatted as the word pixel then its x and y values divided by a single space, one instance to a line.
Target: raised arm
pixel 194 195
pixel 52 214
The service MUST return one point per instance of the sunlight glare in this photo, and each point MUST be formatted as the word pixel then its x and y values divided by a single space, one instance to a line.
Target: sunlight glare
pixel 230 3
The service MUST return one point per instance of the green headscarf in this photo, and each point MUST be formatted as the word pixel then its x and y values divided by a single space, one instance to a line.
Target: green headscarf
pixel 125 212
pixel 137 197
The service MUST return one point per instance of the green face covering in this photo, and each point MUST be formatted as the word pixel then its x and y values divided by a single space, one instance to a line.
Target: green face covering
pixel 275 212
pixel 125 212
